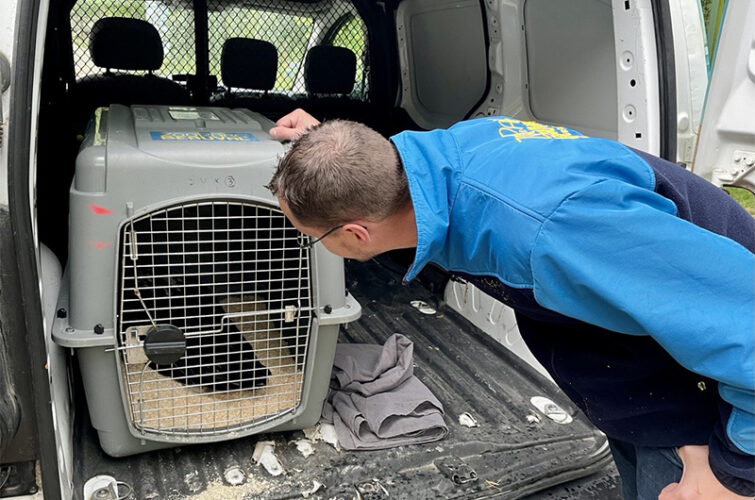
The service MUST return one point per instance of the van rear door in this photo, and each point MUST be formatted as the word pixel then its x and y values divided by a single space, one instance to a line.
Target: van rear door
pixel 691 75
pixel 726 153
pixel 28 430
pixel 630 70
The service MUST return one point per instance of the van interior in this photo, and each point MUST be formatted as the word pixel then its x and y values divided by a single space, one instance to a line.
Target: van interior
pixel 602 67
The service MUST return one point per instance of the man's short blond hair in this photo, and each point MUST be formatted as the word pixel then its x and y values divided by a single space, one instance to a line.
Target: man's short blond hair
pixel 341 171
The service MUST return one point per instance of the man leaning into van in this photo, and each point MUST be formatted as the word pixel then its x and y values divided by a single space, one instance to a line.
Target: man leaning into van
pixel 631 278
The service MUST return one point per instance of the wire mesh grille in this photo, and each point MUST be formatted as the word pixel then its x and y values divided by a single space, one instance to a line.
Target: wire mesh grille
pixel 173 20
pixel 293 28
pixel 292 32
pixel 233 278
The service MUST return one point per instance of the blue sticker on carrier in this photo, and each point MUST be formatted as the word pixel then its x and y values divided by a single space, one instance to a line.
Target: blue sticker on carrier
pixel 158 135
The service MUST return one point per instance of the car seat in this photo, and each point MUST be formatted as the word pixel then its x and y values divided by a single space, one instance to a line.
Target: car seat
pixel 251 65
pixel 329 76
pixel 124 44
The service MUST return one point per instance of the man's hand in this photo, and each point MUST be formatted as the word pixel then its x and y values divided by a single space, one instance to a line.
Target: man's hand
pixel 293 125
pixel 698 481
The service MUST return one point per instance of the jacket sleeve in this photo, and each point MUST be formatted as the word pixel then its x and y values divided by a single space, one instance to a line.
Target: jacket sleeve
pixel 617 256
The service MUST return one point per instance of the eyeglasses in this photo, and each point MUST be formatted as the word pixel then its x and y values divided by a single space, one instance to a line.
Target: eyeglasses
pixel 302 238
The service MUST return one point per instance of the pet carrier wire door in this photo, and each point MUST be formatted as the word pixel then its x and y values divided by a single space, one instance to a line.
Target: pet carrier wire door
pixel 232 277
pixel 182 266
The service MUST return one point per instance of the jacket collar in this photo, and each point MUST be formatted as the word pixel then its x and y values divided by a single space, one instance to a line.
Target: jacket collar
pixel 431 163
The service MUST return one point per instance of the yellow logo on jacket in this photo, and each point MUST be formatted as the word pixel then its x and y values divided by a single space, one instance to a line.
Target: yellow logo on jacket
pixel 519 130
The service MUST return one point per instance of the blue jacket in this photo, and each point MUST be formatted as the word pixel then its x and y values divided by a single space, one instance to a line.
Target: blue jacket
pixel 588 239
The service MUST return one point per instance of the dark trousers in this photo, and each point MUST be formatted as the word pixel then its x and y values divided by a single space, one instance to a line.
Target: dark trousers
pixel 645 471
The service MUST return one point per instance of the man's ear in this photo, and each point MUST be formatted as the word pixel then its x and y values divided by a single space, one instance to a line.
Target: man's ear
pixel 360 232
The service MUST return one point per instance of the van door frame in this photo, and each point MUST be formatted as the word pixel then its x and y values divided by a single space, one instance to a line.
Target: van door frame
pixel 664 45
pixel 20 161
pixel 726 145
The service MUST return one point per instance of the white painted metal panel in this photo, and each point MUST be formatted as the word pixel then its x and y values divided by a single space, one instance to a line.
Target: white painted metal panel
pixel 443 59
pixel 726 154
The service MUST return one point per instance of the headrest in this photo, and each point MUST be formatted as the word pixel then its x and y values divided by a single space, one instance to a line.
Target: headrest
pixel 125 43
pixel 247 63
pixel 330 70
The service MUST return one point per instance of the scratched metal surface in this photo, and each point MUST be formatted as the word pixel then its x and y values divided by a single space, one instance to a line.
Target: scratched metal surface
pixel 511 456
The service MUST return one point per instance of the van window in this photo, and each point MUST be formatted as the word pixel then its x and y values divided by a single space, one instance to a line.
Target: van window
pixel 290 33
pixel 352 35
pixel 173 21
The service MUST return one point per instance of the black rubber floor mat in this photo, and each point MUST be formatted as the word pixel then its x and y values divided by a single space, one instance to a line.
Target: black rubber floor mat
pixel 513 452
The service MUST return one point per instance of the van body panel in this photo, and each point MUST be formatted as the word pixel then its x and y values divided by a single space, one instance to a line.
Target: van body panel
pixel 494 58
pixel 442 55
pixel 726 155
pixel 691 75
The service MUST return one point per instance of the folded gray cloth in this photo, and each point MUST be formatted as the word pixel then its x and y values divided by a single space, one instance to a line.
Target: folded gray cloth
pixel 376 401
pixel 369 368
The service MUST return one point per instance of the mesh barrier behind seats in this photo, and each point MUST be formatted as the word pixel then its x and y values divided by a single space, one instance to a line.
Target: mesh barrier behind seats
pixel 249 64
pixel 292 32
pixel 133 45
pixel 328 74
pixel 173 21
pixel 292 27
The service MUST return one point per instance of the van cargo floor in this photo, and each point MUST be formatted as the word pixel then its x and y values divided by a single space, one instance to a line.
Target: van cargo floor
pixel 515 451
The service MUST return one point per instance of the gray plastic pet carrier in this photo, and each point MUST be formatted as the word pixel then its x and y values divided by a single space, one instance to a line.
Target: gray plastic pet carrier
pixel 195 313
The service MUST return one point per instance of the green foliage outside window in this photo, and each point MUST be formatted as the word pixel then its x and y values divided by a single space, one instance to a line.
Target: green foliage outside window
pixel 352 36
pixel 174 23
pixel 713 12
pixel 289 34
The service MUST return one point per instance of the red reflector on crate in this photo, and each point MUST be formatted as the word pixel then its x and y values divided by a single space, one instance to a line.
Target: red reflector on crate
pixel 100 210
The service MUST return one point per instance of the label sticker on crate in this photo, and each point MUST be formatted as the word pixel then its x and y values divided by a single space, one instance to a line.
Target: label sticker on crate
pixel 187 113
pixel 157 135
